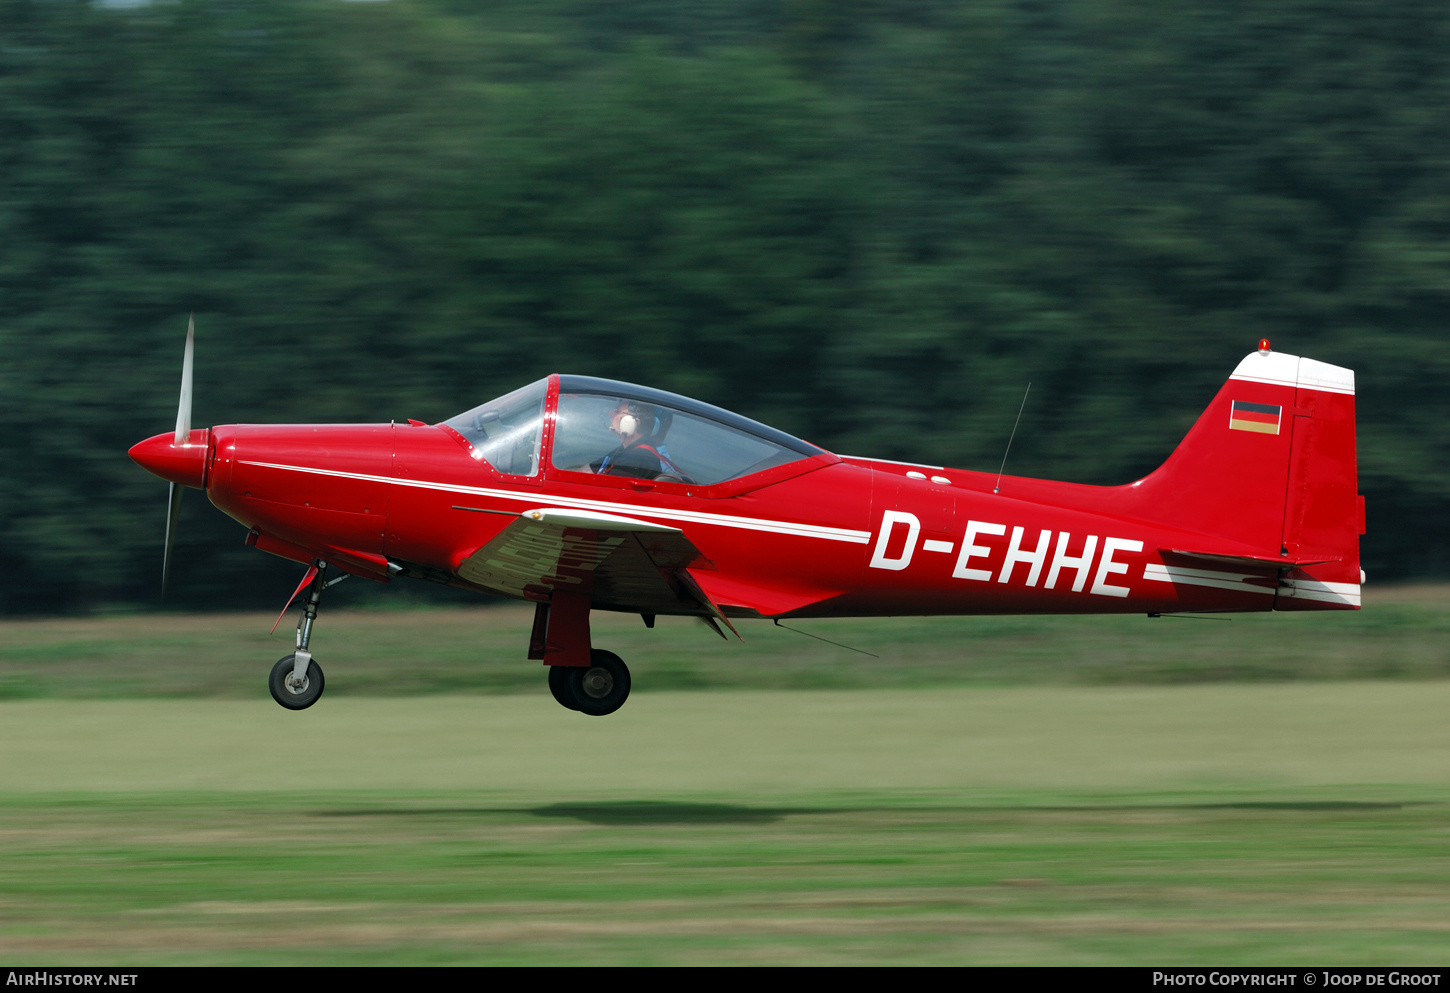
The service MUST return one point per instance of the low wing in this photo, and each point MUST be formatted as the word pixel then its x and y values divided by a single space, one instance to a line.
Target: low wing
pixel 620 562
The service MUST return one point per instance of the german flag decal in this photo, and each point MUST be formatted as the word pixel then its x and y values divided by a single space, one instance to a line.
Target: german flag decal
pixel 1261 417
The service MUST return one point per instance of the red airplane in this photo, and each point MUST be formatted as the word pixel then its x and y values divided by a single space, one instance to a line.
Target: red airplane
pixel 582 494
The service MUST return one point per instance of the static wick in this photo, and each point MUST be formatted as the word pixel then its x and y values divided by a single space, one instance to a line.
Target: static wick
pixel 998 487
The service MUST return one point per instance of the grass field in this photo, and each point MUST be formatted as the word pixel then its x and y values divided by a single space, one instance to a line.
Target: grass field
pixel 1037 809
pixel 1401 634
pixel 1219 824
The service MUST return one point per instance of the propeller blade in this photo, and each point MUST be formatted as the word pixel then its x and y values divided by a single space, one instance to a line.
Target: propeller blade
pixel 172 515
pixel 183 409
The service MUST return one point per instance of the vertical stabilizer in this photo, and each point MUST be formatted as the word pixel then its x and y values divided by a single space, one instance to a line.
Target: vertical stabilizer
pixel 1269 472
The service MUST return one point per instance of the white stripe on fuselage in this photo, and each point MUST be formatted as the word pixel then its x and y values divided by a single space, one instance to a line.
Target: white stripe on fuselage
pixel 1303 589
pixel 1204 577
pixel 1314 589
pixel 533 498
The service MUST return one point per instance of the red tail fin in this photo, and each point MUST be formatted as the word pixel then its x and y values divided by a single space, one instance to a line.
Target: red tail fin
pixel 1268 473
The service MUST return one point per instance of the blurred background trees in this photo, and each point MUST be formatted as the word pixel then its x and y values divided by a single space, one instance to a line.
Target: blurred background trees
pixel 868 223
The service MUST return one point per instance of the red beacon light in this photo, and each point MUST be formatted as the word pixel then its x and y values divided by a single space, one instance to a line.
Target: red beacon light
pixel 1263 346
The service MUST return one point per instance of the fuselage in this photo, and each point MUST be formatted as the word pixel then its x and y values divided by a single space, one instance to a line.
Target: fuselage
pixel 813 534
pixel 840 537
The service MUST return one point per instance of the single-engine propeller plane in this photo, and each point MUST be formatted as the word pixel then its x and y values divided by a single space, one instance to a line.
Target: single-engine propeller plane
pixel 580 494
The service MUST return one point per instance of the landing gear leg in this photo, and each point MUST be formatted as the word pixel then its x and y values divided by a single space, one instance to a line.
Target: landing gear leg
pixel 296 680
pixel 589 680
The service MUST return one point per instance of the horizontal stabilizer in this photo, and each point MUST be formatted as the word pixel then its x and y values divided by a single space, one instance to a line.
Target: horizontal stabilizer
pixel 1245 561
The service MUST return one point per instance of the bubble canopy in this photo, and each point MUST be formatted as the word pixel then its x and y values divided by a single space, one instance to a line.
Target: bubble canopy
pixel 673 438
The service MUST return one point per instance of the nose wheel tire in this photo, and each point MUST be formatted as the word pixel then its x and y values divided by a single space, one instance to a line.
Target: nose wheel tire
pixel 290 692
pixel 601 687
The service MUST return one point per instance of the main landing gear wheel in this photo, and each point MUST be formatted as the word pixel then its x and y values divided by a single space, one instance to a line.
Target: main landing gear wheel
pixel 290 692
pixel 559 686
pixel 602 687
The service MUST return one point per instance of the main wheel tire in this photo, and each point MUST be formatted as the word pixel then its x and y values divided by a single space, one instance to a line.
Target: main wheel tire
pixel 295 697
pixel 559 686
pixel 602 687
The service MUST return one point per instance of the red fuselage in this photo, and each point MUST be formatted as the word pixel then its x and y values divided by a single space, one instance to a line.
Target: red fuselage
pixel 821 536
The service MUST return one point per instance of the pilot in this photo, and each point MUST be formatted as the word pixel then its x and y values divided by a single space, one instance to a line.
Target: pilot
pixel 633 423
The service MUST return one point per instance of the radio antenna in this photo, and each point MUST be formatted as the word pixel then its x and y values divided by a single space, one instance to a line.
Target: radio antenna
pixel 828 641
pixel 998 488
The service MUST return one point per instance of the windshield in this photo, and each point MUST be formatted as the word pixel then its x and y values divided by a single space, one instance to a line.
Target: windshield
pixel 507 432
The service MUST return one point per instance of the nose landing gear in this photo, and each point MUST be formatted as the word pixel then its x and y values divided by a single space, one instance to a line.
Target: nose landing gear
pixel 290 691
pixel 296 680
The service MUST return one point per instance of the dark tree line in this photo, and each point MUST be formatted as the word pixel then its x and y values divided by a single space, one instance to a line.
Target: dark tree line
pixel 869 223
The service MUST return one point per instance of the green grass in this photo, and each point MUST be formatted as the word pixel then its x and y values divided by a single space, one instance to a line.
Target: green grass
pixel 1266 790
pixel 1401 634
pixel 1218 824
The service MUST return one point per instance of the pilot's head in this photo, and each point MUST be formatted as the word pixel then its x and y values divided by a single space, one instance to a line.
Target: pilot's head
pixel 632 421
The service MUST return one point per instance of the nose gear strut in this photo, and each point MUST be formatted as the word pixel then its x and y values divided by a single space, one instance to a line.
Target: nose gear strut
pixel 296 680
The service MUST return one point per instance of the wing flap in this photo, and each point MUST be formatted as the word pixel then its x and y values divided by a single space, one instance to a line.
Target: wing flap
pixel 743 597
